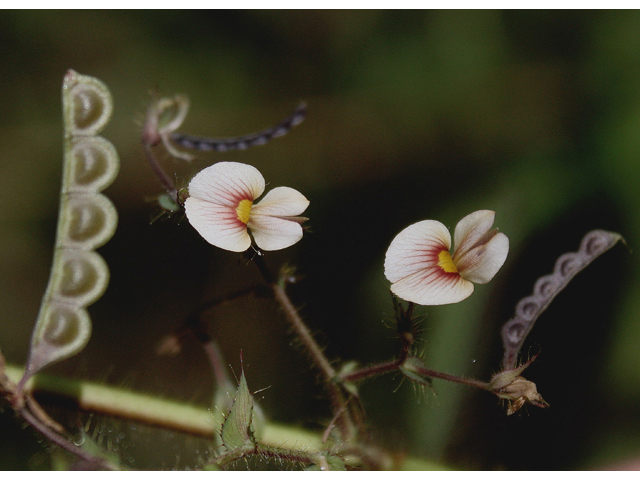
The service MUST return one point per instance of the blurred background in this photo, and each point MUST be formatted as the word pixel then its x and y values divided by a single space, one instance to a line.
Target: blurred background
pixel 412 115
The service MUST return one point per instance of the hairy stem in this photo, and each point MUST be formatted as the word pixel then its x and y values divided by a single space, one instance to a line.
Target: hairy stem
pixel 313 349
pixel 405 329
pixel 148 409
pixel 291 455
pixel 167 182
pixel 372 371
pixel 426 372
pixel 65 443
pixel 32 413
pixel 169 414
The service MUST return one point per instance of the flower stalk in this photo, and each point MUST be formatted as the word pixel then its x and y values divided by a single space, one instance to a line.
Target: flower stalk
pixel 318 358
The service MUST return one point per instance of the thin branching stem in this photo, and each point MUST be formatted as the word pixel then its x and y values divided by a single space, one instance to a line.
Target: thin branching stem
pixel 64 443
pixel 427 372
pixel 40 421
pixel 216 360
pixel 198 328
pixel 313 349
pixel 372 371
pixel 405 328
pixel 379 369
pixel 166 181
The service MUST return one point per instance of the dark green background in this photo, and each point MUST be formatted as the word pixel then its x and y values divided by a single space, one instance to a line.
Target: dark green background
pixel 411 115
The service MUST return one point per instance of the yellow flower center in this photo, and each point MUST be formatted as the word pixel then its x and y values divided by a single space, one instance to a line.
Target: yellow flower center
pixel 244 210
pixel 445 262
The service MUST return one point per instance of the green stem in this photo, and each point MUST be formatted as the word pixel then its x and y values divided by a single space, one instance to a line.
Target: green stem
pixel 149 409
pixel 171 414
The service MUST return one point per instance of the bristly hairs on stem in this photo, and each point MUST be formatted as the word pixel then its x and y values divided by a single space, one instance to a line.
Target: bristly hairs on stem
pixel 343 416
pixel 32 413
pixel 406 331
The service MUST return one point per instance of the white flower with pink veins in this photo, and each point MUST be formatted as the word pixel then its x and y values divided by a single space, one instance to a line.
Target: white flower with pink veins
pixel 221 208
pixel 422 270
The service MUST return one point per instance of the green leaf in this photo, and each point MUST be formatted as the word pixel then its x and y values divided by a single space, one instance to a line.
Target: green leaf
pixel 236 429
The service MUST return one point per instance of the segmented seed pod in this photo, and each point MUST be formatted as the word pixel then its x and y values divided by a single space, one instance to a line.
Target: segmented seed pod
pixel 528 309
pixel 87 219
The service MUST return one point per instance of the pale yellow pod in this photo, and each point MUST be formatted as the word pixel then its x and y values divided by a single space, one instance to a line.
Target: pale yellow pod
pixel 92 165
pixel 63 331
pixel 66 325
pixel 87 221
pixel 87 104
pixel 81 277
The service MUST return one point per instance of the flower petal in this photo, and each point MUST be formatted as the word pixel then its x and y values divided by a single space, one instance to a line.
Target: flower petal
pixel 273 233
pixel 218 224
pixel 484 261
pixel 226 183
pixel 432 286
pixel 415 249
pixel 281 202
pixel 470 230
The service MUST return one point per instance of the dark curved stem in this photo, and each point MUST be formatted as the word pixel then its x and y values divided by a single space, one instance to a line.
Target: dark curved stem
pixel 64 443
pixel 21 404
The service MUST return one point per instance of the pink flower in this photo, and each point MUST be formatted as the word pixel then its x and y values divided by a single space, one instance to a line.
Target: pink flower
pixel 221 208
pixel 422 270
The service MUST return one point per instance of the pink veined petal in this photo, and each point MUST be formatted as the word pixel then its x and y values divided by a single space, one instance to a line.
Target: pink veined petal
pixel 281 202
pixel 273 233
pixel 415 249
pixel 218 224
pixel 471 229
pixel 482 263
pixel 432 286
pixel 226 183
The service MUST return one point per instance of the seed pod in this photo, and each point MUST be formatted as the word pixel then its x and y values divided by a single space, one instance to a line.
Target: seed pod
pixel 87 220
pixel 515 331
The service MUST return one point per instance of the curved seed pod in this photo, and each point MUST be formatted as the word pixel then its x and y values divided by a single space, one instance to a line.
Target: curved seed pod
pixel 515 331
pixel 87 220
pixel 245 141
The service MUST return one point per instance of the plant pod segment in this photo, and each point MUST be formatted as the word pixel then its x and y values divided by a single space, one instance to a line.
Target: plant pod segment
pixel 86 220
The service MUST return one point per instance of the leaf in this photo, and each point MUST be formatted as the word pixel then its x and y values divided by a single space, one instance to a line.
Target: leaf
pixel 236 429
